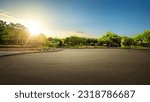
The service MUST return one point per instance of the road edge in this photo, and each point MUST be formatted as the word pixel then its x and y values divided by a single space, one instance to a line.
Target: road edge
pixel 28 52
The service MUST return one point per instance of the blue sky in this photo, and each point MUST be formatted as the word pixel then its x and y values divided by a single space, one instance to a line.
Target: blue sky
pixel 90 17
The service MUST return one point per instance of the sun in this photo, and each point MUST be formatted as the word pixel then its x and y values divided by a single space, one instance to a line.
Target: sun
pixel 33 27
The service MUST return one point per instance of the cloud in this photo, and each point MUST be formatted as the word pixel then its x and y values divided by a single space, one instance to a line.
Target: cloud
pixel 84 34
pixel 6 16
pixel 63 34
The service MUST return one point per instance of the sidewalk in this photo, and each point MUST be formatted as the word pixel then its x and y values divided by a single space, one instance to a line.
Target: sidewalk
pixel 9 53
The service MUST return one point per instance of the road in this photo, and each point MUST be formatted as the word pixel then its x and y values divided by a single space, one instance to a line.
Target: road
pixel 77 67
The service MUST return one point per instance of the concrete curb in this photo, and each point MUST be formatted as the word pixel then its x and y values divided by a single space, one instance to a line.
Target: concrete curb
pixel 11 54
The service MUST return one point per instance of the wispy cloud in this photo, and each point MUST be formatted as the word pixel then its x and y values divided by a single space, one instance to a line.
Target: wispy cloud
pixel 6 16
pixel 63 34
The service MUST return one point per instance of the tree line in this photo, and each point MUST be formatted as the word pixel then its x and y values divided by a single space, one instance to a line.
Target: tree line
pixel 17 34
pixel 12 33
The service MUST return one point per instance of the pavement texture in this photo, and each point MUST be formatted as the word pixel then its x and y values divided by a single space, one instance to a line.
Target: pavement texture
pixel 10 53
pixel 77 67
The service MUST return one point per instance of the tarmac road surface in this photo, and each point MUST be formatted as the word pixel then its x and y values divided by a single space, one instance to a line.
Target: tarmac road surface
pixel 77 66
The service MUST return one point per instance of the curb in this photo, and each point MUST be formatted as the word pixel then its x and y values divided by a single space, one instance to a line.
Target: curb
pixel 30 52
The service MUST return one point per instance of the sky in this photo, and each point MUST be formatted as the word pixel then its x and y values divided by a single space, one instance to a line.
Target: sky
pixel 91 18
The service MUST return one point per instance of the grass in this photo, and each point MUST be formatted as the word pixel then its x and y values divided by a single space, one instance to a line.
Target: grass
pixel 31 47
pixel 134 47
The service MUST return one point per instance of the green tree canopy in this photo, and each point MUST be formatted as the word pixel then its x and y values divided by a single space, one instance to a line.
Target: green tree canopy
pixel 110 39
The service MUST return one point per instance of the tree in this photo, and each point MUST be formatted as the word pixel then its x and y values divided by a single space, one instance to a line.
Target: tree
pixel 91 41
pixel 142 39
pixel 126 41
pixel 146 38
pixel 110 39
pixel 3 26
pixel 13 33
pixel 57 42
pixel 138 39
pixel 72 41
pixel 77 41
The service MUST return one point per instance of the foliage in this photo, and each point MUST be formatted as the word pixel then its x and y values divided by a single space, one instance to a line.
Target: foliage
pixel 80 41
pixel 55 42
pixel 13 33
pixel 142 39
pixel 110 40
pixel 17 34
pixel 125 41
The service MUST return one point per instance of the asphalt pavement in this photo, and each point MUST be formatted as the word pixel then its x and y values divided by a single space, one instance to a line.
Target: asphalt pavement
pixel 8 53
pixel 77 67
